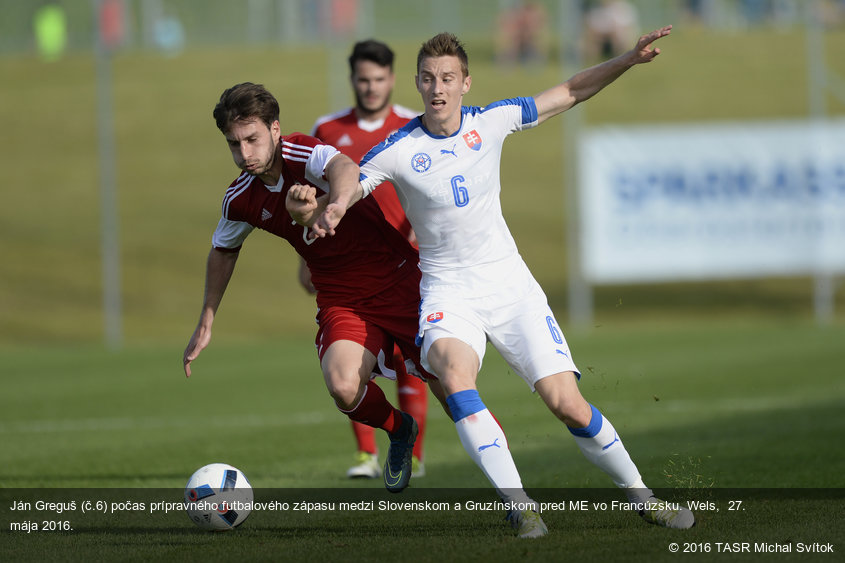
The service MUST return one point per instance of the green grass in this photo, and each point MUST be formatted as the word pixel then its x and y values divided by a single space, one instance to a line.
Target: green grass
pixel 693 383
pixel 721 387
pixel 718 411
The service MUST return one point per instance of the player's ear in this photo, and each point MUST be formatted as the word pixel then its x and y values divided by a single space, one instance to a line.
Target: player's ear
pixel 417 82
pixel 276 129
pixel 467 84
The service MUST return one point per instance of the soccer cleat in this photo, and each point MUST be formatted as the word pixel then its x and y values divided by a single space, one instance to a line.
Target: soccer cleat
pixel 366 467
pixel 667 514
pixel 527 523
pixel 398 465
pixel 417 467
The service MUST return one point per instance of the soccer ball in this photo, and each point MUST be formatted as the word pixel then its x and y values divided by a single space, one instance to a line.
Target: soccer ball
pixel 218 497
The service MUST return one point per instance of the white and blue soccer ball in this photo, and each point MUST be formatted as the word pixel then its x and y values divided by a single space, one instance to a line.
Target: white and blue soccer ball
pixel 218 497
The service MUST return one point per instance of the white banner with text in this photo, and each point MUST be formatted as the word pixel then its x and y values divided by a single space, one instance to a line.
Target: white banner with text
pixel 712 201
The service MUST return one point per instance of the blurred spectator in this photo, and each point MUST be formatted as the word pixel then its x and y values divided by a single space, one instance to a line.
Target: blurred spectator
pixel 341 17
pixel 755 12
pixel 610 28
pixel 169 35
pixel 522 36
pixel 694 10
pixel 50 30
pixel 112 23
pixel 831 13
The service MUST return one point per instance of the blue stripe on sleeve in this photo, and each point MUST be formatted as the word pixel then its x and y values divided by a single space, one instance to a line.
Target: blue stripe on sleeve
pixel 529 108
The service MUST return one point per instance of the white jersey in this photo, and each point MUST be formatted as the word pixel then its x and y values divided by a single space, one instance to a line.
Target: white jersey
pixel 449 188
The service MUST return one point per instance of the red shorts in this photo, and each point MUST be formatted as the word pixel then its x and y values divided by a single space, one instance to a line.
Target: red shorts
pixel 379 327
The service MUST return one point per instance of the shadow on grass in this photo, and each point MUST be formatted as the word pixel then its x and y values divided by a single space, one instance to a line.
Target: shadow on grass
pixel 783 447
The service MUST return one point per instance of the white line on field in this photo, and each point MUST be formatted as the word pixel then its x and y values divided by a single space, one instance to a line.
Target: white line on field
pixel 724 405
pixel 151 423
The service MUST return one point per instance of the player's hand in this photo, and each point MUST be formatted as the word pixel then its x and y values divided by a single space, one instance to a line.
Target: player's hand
pixel 328 221
pixel 301 203
pixel 642 52
pixel 305 278
pixel 199 340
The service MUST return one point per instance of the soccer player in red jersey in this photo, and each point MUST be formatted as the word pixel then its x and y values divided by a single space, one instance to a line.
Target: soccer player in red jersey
pixel 354 131
pixel 367 280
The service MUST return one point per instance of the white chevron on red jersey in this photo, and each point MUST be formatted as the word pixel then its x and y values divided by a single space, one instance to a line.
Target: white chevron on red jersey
pixel 295 152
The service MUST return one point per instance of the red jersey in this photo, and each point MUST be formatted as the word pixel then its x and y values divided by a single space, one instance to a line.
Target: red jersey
pixel 365 258
pixel 355 137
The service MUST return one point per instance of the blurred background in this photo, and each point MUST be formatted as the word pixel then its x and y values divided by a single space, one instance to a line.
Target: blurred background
pixel 114 170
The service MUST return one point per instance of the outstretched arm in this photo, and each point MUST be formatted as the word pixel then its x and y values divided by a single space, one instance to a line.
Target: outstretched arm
pixel 218 272
pixel 344 190
pixel 587 83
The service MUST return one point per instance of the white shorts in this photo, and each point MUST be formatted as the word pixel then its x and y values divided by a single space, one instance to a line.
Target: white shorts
pixel 523 330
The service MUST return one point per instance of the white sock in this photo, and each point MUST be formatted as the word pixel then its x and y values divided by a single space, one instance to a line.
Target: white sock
pixel 485 442
pixel 601 445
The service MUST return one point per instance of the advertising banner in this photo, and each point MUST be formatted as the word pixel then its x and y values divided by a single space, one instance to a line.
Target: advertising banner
pixel 712 201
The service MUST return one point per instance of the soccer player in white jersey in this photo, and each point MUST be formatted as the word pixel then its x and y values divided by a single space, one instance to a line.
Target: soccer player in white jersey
pixel 475 286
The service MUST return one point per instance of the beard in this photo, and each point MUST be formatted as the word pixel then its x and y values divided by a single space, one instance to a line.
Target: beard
pixel 359 104
pixel 261 167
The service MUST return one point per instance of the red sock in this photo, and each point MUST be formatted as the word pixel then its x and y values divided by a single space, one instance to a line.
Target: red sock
pixel 375 410
pixel 365 437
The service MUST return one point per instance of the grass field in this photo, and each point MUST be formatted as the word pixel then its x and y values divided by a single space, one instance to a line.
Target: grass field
pixel 721 391
pixel 141 420
pixel 716 411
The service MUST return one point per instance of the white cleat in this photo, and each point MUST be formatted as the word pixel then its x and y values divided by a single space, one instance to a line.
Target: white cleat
pixel 527 523
pixel 667 514
pixel 366 467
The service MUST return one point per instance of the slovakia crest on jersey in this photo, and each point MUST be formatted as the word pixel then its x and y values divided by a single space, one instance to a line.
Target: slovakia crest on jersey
pixel 421 162
pixel 435 317
pixel 473 140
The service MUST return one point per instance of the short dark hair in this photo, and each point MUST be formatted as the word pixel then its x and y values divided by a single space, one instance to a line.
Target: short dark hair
pixel 243 102
pixel 443 45
pixel 373 51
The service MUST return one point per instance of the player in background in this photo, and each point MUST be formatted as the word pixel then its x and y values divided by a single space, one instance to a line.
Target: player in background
pixel 354 131
pixel 367 280
pixel 475 286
